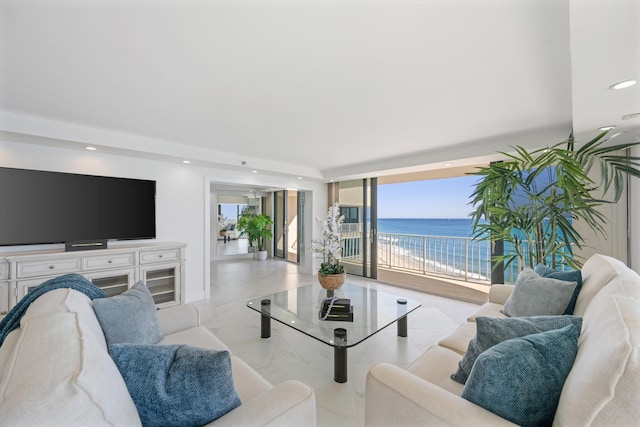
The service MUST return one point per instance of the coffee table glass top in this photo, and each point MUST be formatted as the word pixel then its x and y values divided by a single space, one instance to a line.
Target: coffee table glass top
pixel 299 309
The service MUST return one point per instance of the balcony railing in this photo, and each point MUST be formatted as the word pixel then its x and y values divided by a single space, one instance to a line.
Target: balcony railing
pixel 457 257
pixel 460 258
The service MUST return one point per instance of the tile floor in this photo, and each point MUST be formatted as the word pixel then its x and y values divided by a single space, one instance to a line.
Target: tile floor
pixel 288 354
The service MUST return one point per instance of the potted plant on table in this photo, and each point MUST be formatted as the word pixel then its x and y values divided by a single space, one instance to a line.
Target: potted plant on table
pixel 331 274
pixel 257 228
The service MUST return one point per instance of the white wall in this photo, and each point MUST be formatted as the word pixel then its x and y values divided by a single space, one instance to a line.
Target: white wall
pixel 180 202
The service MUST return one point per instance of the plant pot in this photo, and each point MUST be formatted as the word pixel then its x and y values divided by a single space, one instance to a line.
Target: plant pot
pixel 331 281
pixel 261 255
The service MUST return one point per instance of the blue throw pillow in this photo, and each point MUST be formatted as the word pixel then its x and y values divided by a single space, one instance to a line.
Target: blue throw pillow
pixel 491 331
pixel 130 317
pixel 567 276
pixel 176 385
pixel 535 295
pixel 521 379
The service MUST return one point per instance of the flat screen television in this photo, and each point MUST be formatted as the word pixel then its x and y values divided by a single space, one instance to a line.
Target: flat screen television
pixel 82 211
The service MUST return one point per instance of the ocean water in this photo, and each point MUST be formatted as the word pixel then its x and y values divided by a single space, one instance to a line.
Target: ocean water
pixel 454 227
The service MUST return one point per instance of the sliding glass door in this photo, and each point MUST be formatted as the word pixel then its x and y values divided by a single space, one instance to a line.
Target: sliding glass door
pixel 287 224
pixel 358 204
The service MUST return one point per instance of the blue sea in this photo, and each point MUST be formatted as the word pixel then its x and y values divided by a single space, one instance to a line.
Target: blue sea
pixel 454 227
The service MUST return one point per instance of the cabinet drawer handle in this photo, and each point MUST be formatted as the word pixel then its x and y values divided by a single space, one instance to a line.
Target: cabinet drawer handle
pixel 110 261
pixel 51 267
pixel 160 256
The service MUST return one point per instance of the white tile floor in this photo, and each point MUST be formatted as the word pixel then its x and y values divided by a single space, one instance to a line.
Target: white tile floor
pixel 288 354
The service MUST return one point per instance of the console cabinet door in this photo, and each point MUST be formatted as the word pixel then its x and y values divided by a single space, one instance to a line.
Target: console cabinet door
pixel 163 281
pixel 4 298
pixel 113 282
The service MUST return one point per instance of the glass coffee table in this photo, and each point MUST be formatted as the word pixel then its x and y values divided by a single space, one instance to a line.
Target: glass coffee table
pixel 300 309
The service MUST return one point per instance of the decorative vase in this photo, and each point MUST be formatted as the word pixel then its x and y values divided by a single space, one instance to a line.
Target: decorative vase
pixel 331 281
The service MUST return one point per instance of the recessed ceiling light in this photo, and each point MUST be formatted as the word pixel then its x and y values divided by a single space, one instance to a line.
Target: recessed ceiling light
pixel 623 85
pixel 186 162
pixel 254 171
pixel 603 128
pixel 299 177
pixel 448 164
pixel 90 148
pixel 331 180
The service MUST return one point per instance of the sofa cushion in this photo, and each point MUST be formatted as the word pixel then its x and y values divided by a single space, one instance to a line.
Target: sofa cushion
pixel 602 388
pixel 521 379
pixel 59 374
pixel 535 295
pixel 459 339
pixel 492 331
pixel 129 317
pixel 567 276
pixel 176 384
pixel 434 365
pixel 488 309
pixel 597 271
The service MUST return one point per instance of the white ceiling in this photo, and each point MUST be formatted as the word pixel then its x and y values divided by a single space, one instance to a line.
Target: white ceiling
pixel 316 88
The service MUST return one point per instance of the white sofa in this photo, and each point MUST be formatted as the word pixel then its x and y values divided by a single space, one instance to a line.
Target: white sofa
pixel 56 371
pixel 602 389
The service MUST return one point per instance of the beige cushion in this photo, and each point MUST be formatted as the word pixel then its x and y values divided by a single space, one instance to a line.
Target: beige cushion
pixel 436 366
pixel 59 372
pixel 197 337
pixel 458 341
pixel 602 388
pixel 597 271
pixel 247 382
pixel 489 309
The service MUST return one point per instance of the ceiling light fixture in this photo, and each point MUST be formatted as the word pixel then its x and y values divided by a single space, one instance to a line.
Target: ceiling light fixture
pixel 186 162
pixel 90 148
pixel 448 164
pixel 603 128
pixel 254 171
pixel 623 84
pixel 299 177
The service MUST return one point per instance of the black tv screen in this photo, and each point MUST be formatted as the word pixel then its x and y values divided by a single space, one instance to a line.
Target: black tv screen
pixel 39 207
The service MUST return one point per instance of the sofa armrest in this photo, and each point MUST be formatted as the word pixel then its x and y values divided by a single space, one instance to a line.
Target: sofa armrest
pixel 499 294
pixel 178 317
pixel 291 403
pixel 396 397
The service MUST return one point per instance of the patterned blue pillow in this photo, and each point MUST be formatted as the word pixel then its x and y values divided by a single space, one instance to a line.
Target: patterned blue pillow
pixel 491 331
pixel 176 385
pixel 567 276
pixel 521 379
pixel 130 317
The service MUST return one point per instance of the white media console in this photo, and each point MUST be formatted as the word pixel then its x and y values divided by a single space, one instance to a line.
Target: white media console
pixel 159 265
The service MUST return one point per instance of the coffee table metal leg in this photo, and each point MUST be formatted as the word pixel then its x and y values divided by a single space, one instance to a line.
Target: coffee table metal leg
pixel 265 324
pixel 340 355
pixel 402 320
pixel 402 326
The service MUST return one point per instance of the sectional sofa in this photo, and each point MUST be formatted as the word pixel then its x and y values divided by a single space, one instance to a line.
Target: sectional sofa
pixel 56 371
pixel 601 389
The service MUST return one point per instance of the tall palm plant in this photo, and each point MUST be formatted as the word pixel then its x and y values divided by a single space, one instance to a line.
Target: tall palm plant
pixel 531 199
